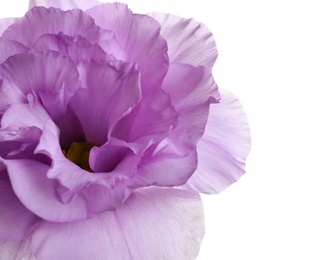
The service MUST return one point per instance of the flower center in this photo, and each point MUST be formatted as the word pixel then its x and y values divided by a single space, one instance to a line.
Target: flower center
pixel 78 153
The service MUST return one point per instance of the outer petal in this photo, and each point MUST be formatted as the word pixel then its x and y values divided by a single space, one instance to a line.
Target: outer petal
pixel 16 222
pixel 192 89
pixel 152 224
pixel 39 21
pixel 188 41
pixel 108 94
pixel 64 5
pixel 139 37
pixel 52 76
pixel 5 23
pixel 11 48
pixel 223 148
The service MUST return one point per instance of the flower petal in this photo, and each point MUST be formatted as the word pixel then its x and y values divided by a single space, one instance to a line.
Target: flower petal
pixel 139 37
pixel 40 20
pixel 108 93
pixel 9 94
pixel 152 224
pixel 77 48
pixel 223 148
pixel 16 250
pixel 188 41
pixel 162 168
pixel 5 23
pixel 149 122
pixel 16 222
pixel 192 89
pixel 11 48
pixel 52 76
pixel 98 192
pixel 38 193
pixel 64 5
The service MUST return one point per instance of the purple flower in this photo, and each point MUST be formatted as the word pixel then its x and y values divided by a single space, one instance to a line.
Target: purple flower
pixel 111 124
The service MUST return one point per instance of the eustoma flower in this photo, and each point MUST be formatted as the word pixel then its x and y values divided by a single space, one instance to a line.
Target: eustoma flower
pixel 111 125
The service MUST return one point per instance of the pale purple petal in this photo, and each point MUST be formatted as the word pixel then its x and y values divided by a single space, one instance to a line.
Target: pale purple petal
pixel 223 148
pixel 77 48
pixel 9 94
pixel 139 37
pixel 25 115
pixel 188 41
pixel 39 21
pixel 192 89
pixel 38 193
pixel 152 224
pixel 149 122
pixel 17 250
pixel 16 222
pixel 162 168
pixel 108 93
pixel 64 4
pixel 98 192
pixel 5 23
pixel 9 48
pixel 51 75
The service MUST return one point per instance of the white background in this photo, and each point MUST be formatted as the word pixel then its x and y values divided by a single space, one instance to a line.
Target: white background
pixel 264 60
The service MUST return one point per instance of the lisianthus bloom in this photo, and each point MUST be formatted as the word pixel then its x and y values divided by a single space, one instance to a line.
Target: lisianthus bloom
pixel 111 126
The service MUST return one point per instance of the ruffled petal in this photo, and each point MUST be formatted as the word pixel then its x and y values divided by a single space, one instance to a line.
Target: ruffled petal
pixel 9 94
pixel 16 250
pixel 108 93
pixel 40 20
pixel 192 89
pixel 223 148
pixel 5 23
pixel 52 76
pixel 97 192
pixel 64 5
pixel 16 222
pixel 11 48
pixel 152 224
pixel 38 193
pixel 188 41
pixel 139 37
pixel 77 47
pixel 162 168
pixel 149 122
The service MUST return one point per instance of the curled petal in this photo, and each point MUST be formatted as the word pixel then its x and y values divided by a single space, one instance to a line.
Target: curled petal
pixel 108 93
pixel 149 122
pixel 64 5
pixel 162 168
pixel 52 76
pixel 139 37
pixel 77 47
pixel 171 218
pixel 188 41
pixel 85 192
pixel 223 148
pixel 9 94
pixel 38 193
pixel 16 221
pixel 192 90
pixel 73 22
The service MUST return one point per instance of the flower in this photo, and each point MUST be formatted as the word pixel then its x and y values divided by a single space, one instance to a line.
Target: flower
pixel 111 125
